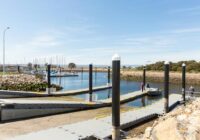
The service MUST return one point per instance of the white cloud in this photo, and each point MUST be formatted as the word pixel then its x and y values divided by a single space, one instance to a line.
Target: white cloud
pixel 161 41
pixel 186 30
pixel 186 10
pixel 83 45
pixel 44 41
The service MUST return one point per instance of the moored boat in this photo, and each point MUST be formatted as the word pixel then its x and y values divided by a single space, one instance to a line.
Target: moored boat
pixel 153 91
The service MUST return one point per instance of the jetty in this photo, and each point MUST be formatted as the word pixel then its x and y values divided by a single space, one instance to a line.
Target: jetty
pixel 81 91
pixel 17 109
pixel 127 97
pixel 14 109
pixel 103 131
pixel 26 94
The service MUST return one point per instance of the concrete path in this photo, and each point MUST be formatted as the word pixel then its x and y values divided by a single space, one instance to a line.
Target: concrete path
pixel 100 128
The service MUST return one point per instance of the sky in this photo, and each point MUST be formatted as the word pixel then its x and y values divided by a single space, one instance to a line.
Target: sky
pixel 92 31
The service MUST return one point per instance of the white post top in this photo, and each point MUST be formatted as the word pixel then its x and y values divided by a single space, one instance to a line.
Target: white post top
pixel 166 62
pixel 183 65
pixel 116 57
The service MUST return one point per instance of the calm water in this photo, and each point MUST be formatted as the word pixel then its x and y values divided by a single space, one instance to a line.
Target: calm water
pixel 99 79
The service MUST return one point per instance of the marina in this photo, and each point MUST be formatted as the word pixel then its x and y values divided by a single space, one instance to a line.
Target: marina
pixel 99 70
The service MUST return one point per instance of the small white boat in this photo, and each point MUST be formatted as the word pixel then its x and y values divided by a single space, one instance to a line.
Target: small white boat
pixel 64 74
pixel 153 91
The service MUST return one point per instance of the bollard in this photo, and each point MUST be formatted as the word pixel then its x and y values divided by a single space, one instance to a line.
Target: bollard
pixel 90 82
pixel 109 75
pixel 49 78
pixel 116 97
pixel 183 81
pixel 95 70
pixel 144 77
pixel 82 73
pixel 18 69
pixel 109 92
pixel 82 70
pixel 143 101
pixel 60 70
pixel 0 113
pixel 166 87
pixel 95 75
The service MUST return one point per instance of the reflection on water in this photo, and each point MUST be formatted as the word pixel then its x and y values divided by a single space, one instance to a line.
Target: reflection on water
pixel 99 79
pixel 81 81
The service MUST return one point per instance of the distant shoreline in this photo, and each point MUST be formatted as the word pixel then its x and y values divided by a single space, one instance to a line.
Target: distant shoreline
pixel 151 76
pixel 158 76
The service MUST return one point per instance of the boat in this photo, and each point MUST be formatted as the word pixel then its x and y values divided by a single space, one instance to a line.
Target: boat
pixel 153 91
pixel 63 74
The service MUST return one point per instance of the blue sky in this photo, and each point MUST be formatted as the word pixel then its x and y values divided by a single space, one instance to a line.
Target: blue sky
pixel 91 31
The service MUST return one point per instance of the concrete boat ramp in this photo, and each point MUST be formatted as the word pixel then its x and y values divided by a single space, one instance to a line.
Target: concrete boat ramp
pixel 13 109
pixel 101 128
pixel 26 94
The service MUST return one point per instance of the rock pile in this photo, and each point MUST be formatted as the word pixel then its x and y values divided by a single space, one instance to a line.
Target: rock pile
pixel 24 82
pixel 181 124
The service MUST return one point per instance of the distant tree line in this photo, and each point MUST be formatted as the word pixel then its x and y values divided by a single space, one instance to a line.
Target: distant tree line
pixel 191 66
pixel 30 66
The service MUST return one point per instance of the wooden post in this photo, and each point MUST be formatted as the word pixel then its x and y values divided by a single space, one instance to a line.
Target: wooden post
pixel 109 75
pixel 166 86
pixel 0 113
pixel 183 80
pixel 90 82
pixel 18 69
pixel 144 77
pixel 82 73
pixel 82 70
pixel 116 97
pixel 49 78
pixel 95 74
pixel 60 70
pixel 143 101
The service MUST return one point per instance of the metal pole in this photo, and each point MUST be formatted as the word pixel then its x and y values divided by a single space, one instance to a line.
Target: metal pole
pixel 60 70
pixel 90 82
pixel 82 70
pixel 95 74
pixel 166 87
pixel 143 101
pixel 0 113
pixel 4 34
pixel 144 77
pixel 109 75
pixel 183 80
pixel 49 77
pixel 116 97
pixel 82 73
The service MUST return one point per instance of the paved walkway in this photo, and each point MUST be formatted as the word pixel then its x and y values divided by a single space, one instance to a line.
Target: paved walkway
pixel 100 128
